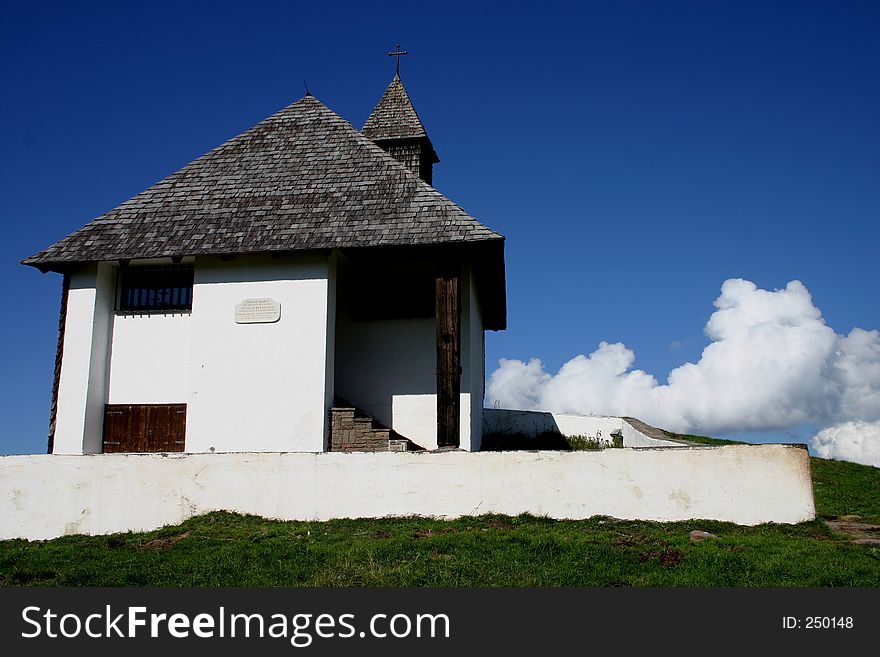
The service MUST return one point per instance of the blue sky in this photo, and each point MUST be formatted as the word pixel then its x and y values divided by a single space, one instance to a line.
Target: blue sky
pixel 635 154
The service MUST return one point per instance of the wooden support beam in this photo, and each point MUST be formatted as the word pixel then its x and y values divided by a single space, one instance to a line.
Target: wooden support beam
pixel 448 300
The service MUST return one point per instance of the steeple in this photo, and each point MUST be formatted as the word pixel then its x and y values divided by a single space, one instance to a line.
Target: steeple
pixel 394 125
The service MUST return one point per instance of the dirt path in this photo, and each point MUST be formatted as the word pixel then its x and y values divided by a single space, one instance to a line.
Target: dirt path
pixel 858 532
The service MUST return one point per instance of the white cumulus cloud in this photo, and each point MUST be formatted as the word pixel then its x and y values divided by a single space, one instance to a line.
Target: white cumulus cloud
pixel 772 364
pixel 851 441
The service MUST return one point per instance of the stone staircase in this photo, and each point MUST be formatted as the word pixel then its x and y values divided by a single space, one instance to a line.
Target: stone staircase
pixel 352 430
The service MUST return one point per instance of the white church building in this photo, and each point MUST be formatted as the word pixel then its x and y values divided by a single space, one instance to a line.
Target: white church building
pixel 300 288
pixel 304 289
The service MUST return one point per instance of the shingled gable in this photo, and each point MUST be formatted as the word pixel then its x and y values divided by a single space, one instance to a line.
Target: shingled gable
pixel 302 179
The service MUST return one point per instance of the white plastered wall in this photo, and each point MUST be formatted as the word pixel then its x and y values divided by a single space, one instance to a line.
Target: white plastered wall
pixel 386 368
pixel 47 496
pixel 535 423
pixel 82 387
pixel 149 361
pixel 248 387
pixel 259 387
pixel 598 427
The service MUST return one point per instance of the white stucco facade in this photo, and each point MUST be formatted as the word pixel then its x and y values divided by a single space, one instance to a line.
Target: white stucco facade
pixel 149 361
pixel 264 386
pixel 84 379
pixel 387 368
pixel 45 496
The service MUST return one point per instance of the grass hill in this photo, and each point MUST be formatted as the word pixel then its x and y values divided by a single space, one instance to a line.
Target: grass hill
pixel 224 549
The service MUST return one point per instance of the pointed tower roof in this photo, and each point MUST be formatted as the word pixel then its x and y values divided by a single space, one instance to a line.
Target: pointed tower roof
pixel 394 117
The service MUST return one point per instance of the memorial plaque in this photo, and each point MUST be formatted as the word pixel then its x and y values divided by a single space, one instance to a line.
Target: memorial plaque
pixel 257 311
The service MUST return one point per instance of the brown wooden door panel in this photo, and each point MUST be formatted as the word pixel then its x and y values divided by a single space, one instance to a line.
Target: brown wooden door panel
pixel 139 425
pixel 116 427
pixel 144 427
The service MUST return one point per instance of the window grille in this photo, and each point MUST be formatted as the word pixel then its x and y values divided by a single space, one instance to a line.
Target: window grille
pixel 155 289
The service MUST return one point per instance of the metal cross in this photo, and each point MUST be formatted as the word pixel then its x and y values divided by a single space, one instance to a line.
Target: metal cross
pixel 397 54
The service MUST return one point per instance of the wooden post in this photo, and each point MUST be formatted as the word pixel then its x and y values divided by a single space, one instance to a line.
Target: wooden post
pixel 448 301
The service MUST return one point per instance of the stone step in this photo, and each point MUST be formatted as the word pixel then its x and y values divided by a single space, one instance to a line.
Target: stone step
pixel 353 430
pixel 398 445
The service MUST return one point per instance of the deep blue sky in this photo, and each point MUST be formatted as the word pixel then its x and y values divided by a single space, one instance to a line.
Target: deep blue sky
pixel 635 154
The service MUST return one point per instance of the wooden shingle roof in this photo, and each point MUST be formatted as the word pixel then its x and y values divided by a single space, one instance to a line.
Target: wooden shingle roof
pixel 302 179
pixel 394 116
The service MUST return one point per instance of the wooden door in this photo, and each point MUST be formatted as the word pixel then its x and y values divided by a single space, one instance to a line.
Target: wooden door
pixel 144 427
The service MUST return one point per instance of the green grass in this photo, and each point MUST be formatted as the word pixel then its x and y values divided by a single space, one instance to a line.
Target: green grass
pixel 225 549
pixel 841 488
pixel 586 444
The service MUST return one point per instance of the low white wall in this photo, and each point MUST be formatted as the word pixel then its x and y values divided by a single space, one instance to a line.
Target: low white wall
pixel 508 421
pixel 598 427
pixel 46 496
pixel 632 437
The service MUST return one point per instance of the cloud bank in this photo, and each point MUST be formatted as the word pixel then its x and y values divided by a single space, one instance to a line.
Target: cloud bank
pixel 772 364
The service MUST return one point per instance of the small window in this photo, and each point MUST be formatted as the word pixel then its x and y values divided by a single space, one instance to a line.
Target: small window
pixel 155 289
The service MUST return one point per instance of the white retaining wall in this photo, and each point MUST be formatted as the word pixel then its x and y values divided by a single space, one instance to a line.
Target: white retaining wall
pixel 598 427
pixel 46 496
pixel 632 437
